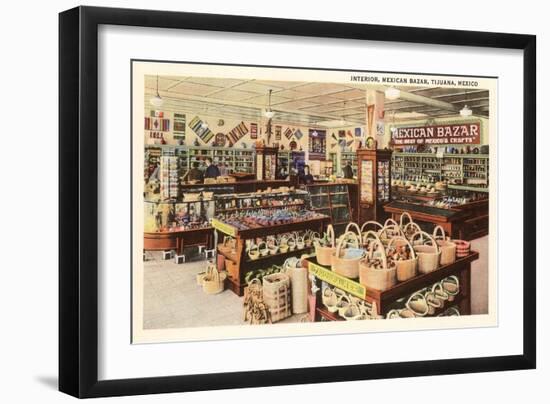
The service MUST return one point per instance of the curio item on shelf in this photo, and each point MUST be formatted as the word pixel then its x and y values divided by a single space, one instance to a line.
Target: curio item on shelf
pixel 352 312
pixel 428 255
pixel 434 301
pixel 342 304
pixel 263 249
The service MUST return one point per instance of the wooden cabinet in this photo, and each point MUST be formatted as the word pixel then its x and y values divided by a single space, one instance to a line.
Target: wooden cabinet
pixel 374 183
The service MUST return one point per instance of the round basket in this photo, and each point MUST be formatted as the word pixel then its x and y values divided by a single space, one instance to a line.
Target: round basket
pixel 345 261
pixel 263 249
pixel 352 312
pixel 447 247
pixel 418 304
pixel 405 269
pixel 272 246
pixel 324 253
pixel 342 305
pixel 213 281
pixel 462 248
pixel 451 286
pixel 374 278
pixel 254 252
pixel 428 255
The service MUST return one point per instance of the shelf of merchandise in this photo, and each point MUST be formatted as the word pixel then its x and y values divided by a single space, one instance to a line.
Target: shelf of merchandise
pixel 348 156
pixel 334 200
pixel 394 296
pixel 233 203
pixel 462 169
pixel 239 258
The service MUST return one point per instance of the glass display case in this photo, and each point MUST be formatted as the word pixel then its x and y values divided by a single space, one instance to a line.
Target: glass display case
pixel 374 181
pixel 177 216
pixel 332 199
pixel 245 202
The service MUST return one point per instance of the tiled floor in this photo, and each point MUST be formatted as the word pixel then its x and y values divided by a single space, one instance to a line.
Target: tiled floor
pixel 172 298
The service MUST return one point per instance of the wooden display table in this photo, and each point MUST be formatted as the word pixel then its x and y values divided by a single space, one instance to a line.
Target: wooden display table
pixel 464 222
pixel 239 256
pixel 178 240
pixel 386 300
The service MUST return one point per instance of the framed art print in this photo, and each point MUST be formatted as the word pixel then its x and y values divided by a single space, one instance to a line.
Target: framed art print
pixel 201 249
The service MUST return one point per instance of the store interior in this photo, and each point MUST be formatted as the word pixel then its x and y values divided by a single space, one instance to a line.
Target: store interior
pixel 283 201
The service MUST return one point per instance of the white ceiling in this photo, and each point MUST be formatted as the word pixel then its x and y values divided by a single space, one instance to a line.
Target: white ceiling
pixel 301 103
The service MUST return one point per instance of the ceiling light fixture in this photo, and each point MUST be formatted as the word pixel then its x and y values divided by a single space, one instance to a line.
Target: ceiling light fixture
pixel 392 93
pixel 268 112
pixel 157 100
pixel 465 111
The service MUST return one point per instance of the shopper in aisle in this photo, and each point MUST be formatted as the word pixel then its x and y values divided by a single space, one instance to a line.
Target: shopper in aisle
pixel 348 171
pixel 212 170
pixel 306 178
pixel 195 174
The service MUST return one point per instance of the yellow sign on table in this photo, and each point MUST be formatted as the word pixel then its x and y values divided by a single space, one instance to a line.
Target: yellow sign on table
pixel 223 227
pixel 341 282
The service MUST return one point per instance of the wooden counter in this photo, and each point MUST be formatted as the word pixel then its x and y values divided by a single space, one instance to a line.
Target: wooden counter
pixel 465 222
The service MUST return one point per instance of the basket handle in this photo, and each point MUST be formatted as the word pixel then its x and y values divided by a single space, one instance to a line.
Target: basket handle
pixel 356 227
pixel 454 278
pixel 438 289
pixel 413 296
pixel 343 239
pixel 379 248
pixel 403 215
pixel 411 249
pixel 390 221
pixel 414 225
pixel 330 234
pixel 364 225
pixel 390 227
pixel 430 238
pixel 264 245
pixel 212 273
pixel 440 230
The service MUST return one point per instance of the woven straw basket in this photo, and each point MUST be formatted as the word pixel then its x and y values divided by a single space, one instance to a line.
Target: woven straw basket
pixel 276 293
pixel 428 255
pixel 348 267
pixel 379 279
pixel 447 247
pixel 324 253
pixel 213 281
pixel 405 269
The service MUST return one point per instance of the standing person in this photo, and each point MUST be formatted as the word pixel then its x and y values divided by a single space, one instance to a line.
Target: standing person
pixel 212 170
pixel 348 170
pixel 194 173
pixel 307 178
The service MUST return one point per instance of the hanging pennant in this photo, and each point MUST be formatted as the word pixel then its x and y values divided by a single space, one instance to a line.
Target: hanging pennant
pixel 298 134
pixel 237 133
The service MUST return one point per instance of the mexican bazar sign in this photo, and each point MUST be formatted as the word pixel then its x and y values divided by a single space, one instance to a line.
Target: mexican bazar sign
pixel 461 133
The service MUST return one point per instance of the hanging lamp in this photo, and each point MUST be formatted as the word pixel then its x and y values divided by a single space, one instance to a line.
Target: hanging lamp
pixel 269 113
pixel 465 111
pixel 157 100
pixel 392 93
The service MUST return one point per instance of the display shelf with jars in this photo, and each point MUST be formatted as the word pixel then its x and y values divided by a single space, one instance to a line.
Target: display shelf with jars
pixel 459 171
pixel 268 199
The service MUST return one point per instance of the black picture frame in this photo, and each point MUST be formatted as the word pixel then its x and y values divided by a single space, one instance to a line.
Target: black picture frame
pixel 78 195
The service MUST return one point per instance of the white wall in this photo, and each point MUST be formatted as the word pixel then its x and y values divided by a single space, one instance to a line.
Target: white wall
pixel 28 299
